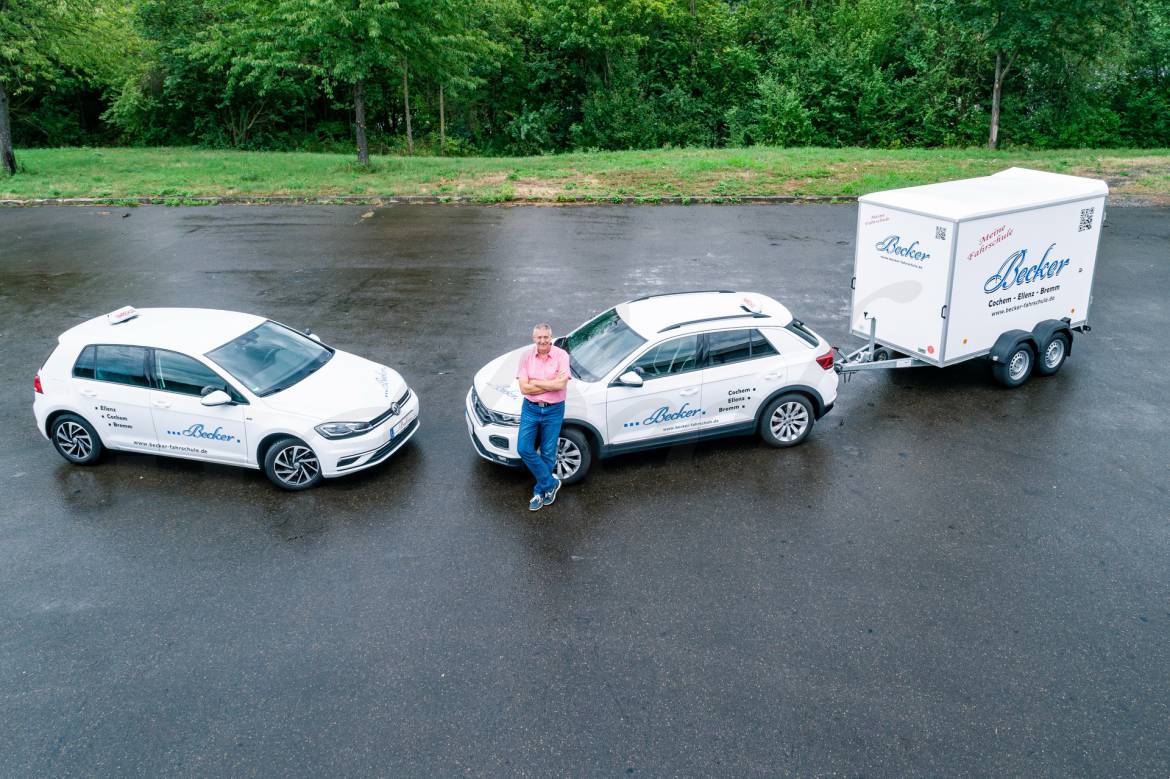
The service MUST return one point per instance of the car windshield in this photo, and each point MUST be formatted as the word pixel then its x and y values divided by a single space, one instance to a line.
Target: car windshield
pixel 270 358
pixel 598 345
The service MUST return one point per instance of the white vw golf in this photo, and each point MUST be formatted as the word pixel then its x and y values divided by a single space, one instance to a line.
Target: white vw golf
pixel 223 387
pixel 667 369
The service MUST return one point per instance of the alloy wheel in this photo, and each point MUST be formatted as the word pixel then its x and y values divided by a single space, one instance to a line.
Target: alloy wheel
pixel 296 465
pixel 74 441
pixel 568 458
pixel 789 421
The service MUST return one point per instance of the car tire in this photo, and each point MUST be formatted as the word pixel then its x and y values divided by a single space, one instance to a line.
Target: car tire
pixel 1053 354
pixel 75 439
pixel 574 456
pixel 787 421
pixel 292 465
pixel 1016 369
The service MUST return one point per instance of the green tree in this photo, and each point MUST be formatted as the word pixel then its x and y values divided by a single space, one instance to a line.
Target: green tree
pixel 42 41
pixel 1021 31
pixel 338 44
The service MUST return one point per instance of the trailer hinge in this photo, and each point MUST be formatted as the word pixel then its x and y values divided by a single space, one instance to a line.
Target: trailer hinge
pixel 943 312
pixel 853 283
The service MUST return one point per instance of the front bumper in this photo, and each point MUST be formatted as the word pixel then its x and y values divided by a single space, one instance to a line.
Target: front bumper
pixel 348 455
pixel 495 443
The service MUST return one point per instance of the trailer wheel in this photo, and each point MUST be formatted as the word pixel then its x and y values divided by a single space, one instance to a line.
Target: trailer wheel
pixel 1053 355
pixel 1016 369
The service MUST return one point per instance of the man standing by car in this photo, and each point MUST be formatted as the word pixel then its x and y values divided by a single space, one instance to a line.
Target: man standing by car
pixel 543 376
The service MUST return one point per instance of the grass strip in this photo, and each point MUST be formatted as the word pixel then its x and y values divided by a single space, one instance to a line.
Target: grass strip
pixel 183 175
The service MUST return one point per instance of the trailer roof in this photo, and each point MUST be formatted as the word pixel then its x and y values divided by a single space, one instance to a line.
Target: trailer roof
pixel 1014 189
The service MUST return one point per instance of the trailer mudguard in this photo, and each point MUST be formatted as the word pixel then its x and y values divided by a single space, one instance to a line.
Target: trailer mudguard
pixel 1044 331
pixel 1007 343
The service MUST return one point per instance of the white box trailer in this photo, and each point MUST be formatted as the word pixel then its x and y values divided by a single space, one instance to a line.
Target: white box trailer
pixel 999 266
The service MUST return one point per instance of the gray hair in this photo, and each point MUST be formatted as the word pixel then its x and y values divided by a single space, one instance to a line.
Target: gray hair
pixel 543 326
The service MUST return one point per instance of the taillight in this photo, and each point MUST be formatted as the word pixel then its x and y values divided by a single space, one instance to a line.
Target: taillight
pixel 826 361
pixel 37 385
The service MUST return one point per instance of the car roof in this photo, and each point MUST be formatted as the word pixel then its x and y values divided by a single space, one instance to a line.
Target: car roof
pixel 689 312
pixel 188 330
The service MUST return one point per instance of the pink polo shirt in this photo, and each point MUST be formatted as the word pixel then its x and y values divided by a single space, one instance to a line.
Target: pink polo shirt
pixel 533 366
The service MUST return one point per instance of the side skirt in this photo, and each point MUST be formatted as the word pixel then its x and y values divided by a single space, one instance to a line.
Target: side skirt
pixel 743 428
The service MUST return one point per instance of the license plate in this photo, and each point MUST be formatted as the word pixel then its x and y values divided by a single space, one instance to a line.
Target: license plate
pixel 405 423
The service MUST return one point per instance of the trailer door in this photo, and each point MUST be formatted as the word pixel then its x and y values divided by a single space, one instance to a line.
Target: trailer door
pixel 901 272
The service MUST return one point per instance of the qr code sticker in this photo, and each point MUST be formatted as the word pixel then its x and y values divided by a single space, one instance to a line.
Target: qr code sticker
pixel 940 233
pixel 1086 220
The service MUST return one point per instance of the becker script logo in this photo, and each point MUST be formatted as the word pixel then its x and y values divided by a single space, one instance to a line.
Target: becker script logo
pixel 1016 271
pixel 199 431
pixel 892 244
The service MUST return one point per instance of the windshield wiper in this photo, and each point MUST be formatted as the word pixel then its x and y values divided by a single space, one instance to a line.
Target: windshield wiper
pixel 284 386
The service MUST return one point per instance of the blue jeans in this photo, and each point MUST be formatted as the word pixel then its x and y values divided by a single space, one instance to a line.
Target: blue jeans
pixel 543 424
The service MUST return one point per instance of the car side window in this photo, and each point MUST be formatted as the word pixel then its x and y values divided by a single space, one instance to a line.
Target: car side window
pixel 730 346
pixel 677 355
pixel 83 368
pixel 761 346
pixel 174 372
pixel 119 364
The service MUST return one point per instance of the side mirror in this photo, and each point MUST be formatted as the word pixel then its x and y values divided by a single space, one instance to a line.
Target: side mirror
pixel 630 379
pixel 216 398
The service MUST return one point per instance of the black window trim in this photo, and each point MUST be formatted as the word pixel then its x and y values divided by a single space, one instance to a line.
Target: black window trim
pixel 145 366
pixel 703 360
pixel 154 382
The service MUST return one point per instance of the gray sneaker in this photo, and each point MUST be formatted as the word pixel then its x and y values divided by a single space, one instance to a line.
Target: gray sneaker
pixel 551 495
pixel 536 504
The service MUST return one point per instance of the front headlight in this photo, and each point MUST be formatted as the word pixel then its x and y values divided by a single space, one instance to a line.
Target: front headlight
pixel 342 429
pixel 486 415
pixel 504 419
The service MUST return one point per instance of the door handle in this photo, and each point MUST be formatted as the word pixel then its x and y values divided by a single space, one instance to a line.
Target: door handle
pixel 162 404
pixel 771 376
pixel 89 393
pixel 688 392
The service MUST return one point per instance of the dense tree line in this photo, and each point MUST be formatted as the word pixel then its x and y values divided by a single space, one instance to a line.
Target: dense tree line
pixel 532 76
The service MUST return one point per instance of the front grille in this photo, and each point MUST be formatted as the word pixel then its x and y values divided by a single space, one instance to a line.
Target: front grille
pixel 481 411
pixel 390 412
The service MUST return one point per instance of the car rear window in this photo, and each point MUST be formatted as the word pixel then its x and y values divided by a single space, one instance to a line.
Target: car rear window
pixel 797 328
pixel 83 368
pixel 121 365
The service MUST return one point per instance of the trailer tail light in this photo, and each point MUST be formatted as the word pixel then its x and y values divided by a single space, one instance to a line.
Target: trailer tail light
pixel 826 361
pixel 37 385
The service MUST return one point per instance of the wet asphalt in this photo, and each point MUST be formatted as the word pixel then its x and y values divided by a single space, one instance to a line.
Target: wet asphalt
pixel 946 579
